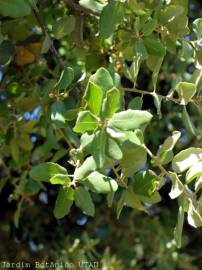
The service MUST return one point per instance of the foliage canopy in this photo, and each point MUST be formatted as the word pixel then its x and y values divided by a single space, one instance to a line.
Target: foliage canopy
pixel 102 97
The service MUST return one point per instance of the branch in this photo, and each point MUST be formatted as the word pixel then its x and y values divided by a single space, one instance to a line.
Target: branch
pixel 45 33
pixel 143 92
pixel 77 8
pixel 157 162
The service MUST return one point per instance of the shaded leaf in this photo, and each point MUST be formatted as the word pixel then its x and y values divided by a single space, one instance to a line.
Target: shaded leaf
pixel 179 227
pixel 14 8
pixel 45 171
pixel 145 183
pixel 66 78
pixel 136 103
pixel 154 47
pixel 84 201
pixel 188 122
pixel 99 148
pixel 64 26
pixel 63 202
pixel 112 14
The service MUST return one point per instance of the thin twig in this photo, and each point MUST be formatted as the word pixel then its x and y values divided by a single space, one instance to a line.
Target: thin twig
pixel 45 33
pixel 143 92
pixel 157 161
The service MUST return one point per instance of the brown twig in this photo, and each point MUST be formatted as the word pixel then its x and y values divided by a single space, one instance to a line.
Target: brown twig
pixel 143 92
pixel 157 161
pixel 45 33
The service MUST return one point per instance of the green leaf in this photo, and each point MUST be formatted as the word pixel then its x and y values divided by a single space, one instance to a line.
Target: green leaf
pixel 157 102
pixel 134 158
pixel 110 198
pixel 120 204
pixel 70 135
pixel 92 4
pixel 60 179
pixel 93 96
pixel 149 27
pixel 99 148
pixel 145 183
pixel 198 184
pixel 2 184
pixel 46 44
pixel 30 187
pixel 66 78
pixel 14 149
pixel 70 115
pixel 84 201
pixel 135 67
pixel 179 26
pixel 59 154
pixel 129 120
pixel 113 149
pixel 63 202
pixel 64 26
pixel 186 159
pixel 170 13
pixel 155 198
pixel 188 122
pixel 24 142
pixel 197 26
pixel 58 114
pixel 155 63
pixel 111 103
pixel 137 7
pixel 179 227
pixel 185 91
pixel 86 121
pixel 88 166
pixel 135 104
pixel 1 37
pixel 86 141
pixel 100 183
pixel 140 50
pixel 193 216
pixel 103 79
pixel 17 214
pixel 194 172
pixel 132 200
pixel 154 47
pixel 14 8
pixel 165 153
pixel 177 186
pixel 112 15
pixel 45 171
pixel 129 198
pixel 6 51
